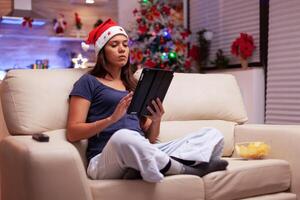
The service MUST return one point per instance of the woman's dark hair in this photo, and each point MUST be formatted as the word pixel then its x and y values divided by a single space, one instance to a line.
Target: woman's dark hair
pixel 126 73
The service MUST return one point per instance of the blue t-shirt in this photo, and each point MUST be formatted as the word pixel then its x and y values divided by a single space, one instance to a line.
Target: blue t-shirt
pixel 104 100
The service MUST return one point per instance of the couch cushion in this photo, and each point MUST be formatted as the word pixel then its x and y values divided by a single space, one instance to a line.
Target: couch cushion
pixel 178 187
pixel 247 178
pixel 174 129
pixel 277 196
pixel 37 100
pixel 204 97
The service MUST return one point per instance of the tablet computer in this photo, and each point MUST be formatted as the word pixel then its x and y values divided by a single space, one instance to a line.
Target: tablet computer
pixel 152 84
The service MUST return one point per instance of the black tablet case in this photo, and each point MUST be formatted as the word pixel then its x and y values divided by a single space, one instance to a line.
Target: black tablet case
pixel 153 83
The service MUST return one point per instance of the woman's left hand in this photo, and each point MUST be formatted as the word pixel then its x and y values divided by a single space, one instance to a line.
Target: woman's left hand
pixel 156 111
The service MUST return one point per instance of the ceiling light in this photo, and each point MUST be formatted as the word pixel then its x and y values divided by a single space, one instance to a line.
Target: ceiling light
pixel 89 1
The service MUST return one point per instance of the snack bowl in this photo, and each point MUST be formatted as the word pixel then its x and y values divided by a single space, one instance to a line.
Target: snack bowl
pixel 252 150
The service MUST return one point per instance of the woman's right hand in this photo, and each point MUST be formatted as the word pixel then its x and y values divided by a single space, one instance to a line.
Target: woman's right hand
pixel 121 107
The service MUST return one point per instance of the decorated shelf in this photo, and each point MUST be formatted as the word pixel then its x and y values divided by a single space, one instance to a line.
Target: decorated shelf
pixel 43 37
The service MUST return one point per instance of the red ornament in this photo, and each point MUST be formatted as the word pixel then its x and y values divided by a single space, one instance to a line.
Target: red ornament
pixel 142 29
pixel 166 10
pixel 135 11
pixel 27 20
pixel 185 34
pixel 150 63
pixel 139 20
pixel 154 11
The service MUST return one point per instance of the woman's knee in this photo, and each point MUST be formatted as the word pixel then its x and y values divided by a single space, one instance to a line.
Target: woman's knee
pixel 123 137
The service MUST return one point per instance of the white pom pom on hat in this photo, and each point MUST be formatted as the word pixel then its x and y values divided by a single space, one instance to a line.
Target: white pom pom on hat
pixel 85 46
pixel 100 35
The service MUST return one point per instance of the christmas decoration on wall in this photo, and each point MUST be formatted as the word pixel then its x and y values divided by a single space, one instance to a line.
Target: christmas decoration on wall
pixel 77 29
pixel 27 21
pixel 79 61
pixel 41 64
pixel 78 22
pixel 158 38
pixel 59 24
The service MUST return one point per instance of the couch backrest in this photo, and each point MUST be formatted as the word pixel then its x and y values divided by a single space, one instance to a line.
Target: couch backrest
pixel 204 97
pixel 37 100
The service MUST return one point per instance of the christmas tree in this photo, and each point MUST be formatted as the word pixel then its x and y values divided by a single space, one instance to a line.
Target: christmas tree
pixel 158 38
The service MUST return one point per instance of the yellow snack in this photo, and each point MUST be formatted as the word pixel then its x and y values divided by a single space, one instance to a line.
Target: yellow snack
pixel 252 150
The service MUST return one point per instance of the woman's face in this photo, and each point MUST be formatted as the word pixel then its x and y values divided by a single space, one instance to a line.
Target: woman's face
pixel 117 51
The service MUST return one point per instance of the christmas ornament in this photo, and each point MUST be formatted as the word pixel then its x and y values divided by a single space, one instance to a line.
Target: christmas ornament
pixel 172 56
pixel 27 21
pixel 59 24
pixel 78 22
pixel 79 61
pixel 164 56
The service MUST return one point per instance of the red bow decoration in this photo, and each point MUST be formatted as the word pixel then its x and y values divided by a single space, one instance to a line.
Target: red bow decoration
pixel 27 20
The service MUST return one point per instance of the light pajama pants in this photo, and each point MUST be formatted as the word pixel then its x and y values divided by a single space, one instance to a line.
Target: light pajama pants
pixel 127 148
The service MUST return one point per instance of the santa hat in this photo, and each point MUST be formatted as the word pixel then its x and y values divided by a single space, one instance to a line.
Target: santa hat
pixel 102 34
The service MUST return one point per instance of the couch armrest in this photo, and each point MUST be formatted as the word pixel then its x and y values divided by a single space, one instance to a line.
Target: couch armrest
pixel 284 141
pixel 32 170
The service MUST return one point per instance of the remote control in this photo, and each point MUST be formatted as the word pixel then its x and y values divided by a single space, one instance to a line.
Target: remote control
pixel 40 137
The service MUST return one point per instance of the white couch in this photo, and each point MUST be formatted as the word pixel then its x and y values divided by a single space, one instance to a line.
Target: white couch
pixel 35 101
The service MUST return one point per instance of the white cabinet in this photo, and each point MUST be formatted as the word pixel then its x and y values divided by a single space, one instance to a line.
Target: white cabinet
pixel 252 85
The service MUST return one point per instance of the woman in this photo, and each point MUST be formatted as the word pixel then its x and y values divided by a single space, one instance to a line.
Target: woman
pixel 121 143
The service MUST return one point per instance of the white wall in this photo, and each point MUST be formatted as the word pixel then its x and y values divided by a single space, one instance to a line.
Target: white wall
pixel 251 82
pixel 125 14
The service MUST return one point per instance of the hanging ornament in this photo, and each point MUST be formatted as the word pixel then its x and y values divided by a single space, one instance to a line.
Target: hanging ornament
pixel 167 34
pixel 172 56
pixel 145 1
pixel 27 20
pixel 135 11
pixel 143 29
pixel 139 20
pixel 150 63
pixel 79 62
pixel 166 10
pixel 164 56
